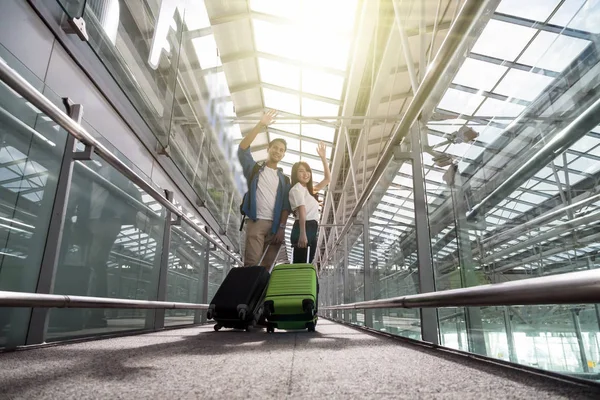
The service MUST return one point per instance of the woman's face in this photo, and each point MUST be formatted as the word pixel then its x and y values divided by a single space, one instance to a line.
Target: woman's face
pixel 303 175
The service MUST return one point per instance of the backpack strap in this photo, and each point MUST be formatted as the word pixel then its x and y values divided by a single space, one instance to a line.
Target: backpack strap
pixel 255 169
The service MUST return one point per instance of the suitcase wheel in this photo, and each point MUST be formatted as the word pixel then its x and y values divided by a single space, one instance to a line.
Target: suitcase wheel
pixel 308 306
pixel 268 308
pixel 310 326
pixel 270 328
pixel 217 327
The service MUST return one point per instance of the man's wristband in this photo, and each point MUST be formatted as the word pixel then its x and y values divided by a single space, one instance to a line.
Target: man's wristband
pixel 282 226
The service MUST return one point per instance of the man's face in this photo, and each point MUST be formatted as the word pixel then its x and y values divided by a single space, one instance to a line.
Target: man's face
pixel 276 151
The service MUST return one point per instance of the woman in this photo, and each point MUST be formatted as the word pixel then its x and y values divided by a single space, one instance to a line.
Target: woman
pixel 304 202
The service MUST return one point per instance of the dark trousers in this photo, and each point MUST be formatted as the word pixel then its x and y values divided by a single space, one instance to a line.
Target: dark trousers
pixel 299 254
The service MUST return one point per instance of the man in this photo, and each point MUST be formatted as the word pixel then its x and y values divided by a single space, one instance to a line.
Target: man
pixel 266 204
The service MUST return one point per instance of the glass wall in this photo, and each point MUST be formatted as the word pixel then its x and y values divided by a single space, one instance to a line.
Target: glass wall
pixel 31 151
pixel 111 247
pixel 165 59
pixel 186 273
pixel 513 205
pixel 111 239
pixel 511 166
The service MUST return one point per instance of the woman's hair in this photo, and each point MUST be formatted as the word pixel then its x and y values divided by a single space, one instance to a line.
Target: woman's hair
pixel 309 185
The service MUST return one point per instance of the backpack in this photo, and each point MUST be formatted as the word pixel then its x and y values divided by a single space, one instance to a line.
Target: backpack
pixel 255 169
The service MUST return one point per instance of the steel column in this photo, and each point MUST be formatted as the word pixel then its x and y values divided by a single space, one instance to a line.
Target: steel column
pixel 577 325
pixel 157 319
pixel 346 283
pixel 429 316
pixel 473 321
pixel 512 350
pixel 368 281
pixel 205 283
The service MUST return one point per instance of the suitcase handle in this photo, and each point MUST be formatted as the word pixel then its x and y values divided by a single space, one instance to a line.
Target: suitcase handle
pixel 265 253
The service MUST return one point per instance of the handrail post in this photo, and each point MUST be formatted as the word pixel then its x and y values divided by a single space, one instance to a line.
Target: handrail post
pixel 429 316
pixel 368 281
pixel 468 278
pixel 156 320
pixel 38 323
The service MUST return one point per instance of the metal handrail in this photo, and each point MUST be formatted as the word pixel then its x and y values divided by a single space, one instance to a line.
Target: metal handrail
pixel 20 299
pixel 581 287
pixel 16 82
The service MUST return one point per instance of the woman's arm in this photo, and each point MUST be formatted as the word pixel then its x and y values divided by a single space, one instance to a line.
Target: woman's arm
pixel 302 240
pixel 327 178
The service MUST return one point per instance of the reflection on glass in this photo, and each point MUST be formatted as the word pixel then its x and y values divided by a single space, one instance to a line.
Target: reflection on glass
pixel 31 150
pixel 110 248
pixel 218 267
pixel 185 276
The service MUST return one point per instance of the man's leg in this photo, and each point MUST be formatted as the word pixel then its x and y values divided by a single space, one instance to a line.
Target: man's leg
pixel 255 240
pixel 273 248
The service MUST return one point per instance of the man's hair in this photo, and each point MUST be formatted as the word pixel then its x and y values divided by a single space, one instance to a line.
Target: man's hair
pixel 278 140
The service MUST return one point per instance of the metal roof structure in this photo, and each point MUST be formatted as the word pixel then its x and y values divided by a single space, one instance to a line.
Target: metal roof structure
pixel 345 72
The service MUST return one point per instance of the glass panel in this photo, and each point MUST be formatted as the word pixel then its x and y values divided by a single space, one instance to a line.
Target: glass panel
pixel 318 108
pixel 552 51
pixel 185 277
pixel 281 101
pixel 537 10
pixel 356 273
pixel 111 247
pixel 523 85
pixel 74 8
pixel 218 267
pixel 503 40
pixel 146 70
pixel 479 74
pixel 392 254
pixel 31 151
pixel 322 84
pixel 280 74
pixel 460 102
pixel 578 14
pixel 319 132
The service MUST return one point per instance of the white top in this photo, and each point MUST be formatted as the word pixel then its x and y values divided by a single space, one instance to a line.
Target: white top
pixel 299 196
pixel 266 193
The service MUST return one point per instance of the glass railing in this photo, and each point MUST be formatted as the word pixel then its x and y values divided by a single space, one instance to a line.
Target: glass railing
pixel 163 57
pixel 31 150
pixel 511 168
pixel 111 235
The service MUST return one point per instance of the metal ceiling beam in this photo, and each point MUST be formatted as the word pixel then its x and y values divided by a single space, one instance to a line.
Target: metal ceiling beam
pixel 396 97
pixel 232 57
pixel 197 33
pixel 557 29
pixel 514 65
pixel 295 92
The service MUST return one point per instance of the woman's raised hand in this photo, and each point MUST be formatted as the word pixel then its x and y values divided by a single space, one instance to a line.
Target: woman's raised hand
pixel 322 151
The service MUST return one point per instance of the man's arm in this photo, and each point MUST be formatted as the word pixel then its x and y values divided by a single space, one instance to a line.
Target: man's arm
pixel 280 235
pixel 266 119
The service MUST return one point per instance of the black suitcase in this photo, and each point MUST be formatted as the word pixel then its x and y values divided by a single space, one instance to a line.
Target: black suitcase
pixel 237 303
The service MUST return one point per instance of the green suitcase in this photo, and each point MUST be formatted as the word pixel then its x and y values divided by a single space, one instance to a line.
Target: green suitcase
pixel 291 298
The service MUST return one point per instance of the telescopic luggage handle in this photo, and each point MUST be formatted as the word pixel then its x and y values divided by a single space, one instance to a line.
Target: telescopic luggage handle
pixel 265 253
